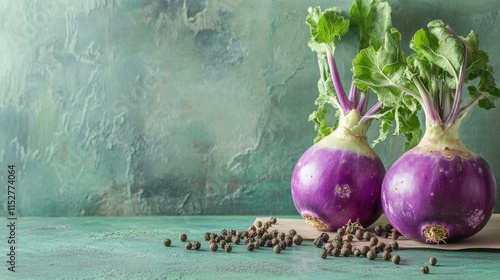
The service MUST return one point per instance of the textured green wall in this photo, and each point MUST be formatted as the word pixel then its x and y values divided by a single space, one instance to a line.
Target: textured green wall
pixel 131 107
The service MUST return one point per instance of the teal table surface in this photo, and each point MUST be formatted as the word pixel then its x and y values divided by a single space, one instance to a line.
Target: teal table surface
pixel 132 248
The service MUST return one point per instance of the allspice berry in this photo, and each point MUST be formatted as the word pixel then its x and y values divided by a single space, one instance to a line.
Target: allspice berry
pixel 424 269
pixel 396 259
pixel 277 249
pixel 386 255
pixel 371 255
pixel 213 246
pixel 433 261
pixel 323 254
pixel 228 248
pixel 167 242
pixel 297 239
pixel 188 246
pixel 183 237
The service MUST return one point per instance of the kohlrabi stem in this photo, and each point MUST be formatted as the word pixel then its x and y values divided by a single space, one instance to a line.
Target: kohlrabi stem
pixel 345 107
pixel 464 110
pixel 445 101
pixel 458 92
pixel 362 104
pixel 371 112
pixel 353 95
pixel 426 102
pixel 435 95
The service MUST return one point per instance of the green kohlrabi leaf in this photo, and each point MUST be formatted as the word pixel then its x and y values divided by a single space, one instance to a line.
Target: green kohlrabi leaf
pixel 439 46
pixel 326 28
pixel 373 19
pixel 486 87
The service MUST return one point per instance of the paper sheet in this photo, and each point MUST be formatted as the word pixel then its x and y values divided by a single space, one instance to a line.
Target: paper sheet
pixel 487 238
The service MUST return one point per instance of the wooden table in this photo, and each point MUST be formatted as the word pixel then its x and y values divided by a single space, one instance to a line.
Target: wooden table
pixel 132 248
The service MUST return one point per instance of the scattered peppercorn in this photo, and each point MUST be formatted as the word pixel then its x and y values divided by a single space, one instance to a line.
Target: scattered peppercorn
pixel 273 220
pixel 396 259
pixel 371 255
pixel 378 230
pixel 388 228
pixel 341 231
pixel 213 246
pixel 335 252
pixel 277 249
pixel 424 269
pixel 367 235
pixel 386 255
pixel 345 251
pixel 359 234
pixel 357 252
pixel 167 242
pixel 183 237
pixel 364 250
pixel 324 237
pixel 318 242
pixel 188 246
pixel 337 244
pixel 373 240
pixel 433 261
pixel 395 234
pixel 196 245
pixel 228 248
pixel 323 254
pixel 292 232
pixel 395 245
pixel 259 224
pixel 250 246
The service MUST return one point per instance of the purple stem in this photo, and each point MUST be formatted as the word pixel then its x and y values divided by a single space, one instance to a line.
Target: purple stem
pixel 458 93
pixel 344 103
pixel 353 95
pixel 363 102
pixel 369 114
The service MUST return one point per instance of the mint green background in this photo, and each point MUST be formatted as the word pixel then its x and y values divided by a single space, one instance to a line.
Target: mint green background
pixel 181 107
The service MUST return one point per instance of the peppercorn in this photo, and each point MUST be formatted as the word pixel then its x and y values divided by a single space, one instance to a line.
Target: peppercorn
pixel 323 254
pixel 337 237
pixel 347 245
pixel 282 245
pixel 318 242
pixel 228 248
pixel 395 234
pixel 341 231
pixel 273 220
pixel 328 246
pixel 188 246
pixel 222 243
pixel 281 236
pixel 396 259
pixel 345 251
pixel 381 246
pixel 256 244
pixel 196 245
pixel 388 248
pixel 297 239
pixel 371 255
pixel 388 227
pixel 213 246
pixel 357 252
pixel 367 235
pixel 250 246
pixel 277 249
pixel 235 239
pixel 292 232
pixel 337 244
pixel 324 237
pixel 335 252
pixel 251 228
pixel 348 237
pixel 395 245
pixel 275 241
pixel 424 269
pixel 364 250
pixel 183 237
pixel 359 234
pixel 167 242
pixel 386 255
pixel 373 240
pixel 206 236
pixel 289 240
pixel 258 224
pixel 378 230
pixel 433 261
pixel 269 243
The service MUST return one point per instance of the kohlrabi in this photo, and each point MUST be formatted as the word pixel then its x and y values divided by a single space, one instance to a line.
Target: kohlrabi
pixel 339 178
pixel 439 191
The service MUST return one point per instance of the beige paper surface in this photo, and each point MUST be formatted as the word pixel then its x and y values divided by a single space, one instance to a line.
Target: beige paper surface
pixel 487 238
